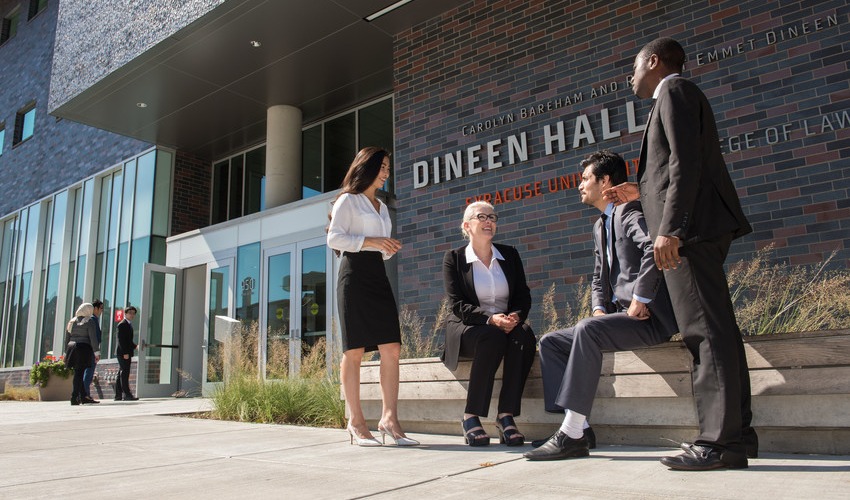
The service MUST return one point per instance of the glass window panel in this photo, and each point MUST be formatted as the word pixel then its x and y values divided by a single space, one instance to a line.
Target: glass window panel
pixel 255 180
pixel 51 285
pixel 27 268
pixel 375 128
pixel 29 124
pixel 311 157
pixel 143 204
pixel 8 237
pixel 2 139
pixel 157 250
pixel 139 254
pixel 247 282
pixel 162 193
pixel 103 217
pixel 126 216
pixel 313 296
pixel 278 290
pixel 219 287
pixel 220 189
pixel 236 187
pixel 339 150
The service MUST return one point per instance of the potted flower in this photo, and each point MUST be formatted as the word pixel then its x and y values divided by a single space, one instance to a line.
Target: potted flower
pixel 52 377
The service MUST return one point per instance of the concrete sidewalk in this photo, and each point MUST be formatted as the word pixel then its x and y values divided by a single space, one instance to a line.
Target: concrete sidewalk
pixel 141 450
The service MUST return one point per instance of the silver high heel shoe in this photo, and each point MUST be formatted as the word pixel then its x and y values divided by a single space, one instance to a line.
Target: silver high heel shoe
pixel 353 437
pixel 399 441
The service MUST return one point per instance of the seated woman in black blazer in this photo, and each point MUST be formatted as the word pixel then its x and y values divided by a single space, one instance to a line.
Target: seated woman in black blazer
pixel 490 300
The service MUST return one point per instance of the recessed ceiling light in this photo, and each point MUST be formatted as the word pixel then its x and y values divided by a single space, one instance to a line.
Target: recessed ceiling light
pixel 254 43
pixel 142 104
pixel 386 10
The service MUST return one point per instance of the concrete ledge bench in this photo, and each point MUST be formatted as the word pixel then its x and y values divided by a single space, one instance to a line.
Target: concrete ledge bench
pixel 800 382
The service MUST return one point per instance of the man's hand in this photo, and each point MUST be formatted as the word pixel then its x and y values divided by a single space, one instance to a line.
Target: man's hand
pixel 638 310
pixel 666 252
pixel 598 312
pixel 621 193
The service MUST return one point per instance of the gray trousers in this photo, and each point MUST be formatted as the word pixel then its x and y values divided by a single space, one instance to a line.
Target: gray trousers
pixel 571 359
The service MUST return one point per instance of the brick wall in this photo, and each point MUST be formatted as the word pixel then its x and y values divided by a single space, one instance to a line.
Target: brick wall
pixel 191 193
pixel 60 152
pixel 490 60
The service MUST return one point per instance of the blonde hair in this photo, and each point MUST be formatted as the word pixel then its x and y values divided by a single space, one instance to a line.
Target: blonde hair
pixel 470 210
pixel 85 312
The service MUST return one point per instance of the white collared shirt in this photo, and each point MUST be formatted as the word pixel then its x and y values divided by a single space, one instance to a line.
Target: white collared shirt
pixel 353 218
pixel 658 87
pixel 491 285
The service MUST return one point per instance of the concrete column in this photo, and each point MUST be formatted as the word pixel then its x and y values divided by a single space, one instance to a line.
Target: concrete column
pixel 283 155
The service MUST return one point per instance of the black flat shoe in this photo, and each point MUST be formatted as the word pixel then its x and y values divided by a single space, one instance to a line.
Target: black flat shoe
pixel 559 447
pixel 130 398
pixel 588 434
pixel 508 432
pixel 75 401
pixel 88 401
pixel 472 435
pixel 698 458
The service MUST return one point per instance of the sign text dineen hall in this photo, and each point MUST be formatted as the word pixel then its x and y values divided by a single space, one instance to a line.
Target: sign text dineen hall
pixel 494 154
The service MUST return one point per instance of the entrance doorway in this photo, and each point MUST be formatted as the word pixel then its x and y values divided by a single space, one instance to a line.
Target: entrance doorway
pixel 159 331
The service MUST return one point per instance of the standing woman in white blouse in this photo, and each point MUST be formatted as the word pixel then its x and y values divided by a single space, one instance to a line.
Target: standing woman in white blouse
pixel 360 231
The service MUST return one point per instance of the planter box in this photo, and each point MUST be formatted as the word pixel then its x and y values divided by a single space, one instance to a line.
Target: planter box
pixel 800 383
pixel 57 389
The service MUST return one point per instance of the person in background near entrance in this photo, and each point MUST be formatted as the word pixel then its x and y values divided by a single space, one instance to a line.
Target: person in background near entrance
pixel 88 375
pixel 124 353
pixel 489 298
pixel 693 213
pixel 360 231
pixel 81 347
pixel 631 309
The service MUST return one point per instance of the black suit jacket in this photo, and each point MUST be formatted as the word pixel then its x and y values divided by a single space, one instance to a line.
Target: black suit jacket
pixel 125 339
pixel 633 270
pixel 466 310
pixel 685 188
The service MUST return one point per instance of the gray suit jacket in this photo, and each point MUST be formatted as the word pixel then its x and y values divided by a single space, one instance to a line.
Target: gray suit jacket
pixel 633 268
pixel 685 188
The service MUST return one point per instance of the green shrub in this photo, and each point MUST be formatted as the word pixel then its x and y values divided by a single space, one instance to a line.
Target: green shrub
pixel 49 365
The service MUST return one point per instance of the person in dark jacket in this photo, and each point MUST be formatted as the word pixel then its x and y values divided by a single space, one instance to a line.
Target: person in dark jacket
pixel 82 347
pixel 124 353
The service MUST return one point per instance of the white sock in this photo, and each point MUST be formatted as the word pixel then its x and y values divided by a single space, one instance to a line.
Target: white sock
pixel 573 425
pixel 586 425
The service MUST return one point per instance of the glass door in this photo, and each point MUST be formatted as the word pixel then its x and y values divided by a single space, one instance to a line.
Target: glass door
pixel 159 331
pixel 276 335
pixel 295 308
pixel 219 303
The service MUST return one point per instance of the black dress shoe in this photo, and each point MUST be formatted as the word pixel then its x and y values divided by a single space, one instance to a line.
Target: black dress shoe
pixel 130 398
pixel 588 433
pixel 75 400
pixel 698 458
pixel 750 440
pixel 118 398
pixel 86 400
pixel 559 447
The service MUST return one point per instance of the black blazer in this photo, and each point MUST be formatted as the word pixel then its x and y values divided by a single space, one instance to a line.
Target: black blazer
pixel 685 188
pixel 466 310
pixel 633 270
pixel 125 339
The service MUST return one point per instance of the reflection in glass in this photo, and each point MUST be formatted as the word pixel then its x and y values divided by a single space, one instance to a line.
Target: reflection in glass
pixel 313 296
pixel 248 282
pixel 236 177
pixel 255 180
pixel 219 287
pixel 221 172
pixel 339 149
pixel 161 327
pixel 311 158
pixel 278 284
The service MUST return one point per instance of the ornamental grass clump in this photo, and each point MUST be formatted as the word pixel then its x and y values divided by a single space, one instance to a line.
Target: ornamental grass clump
pixel 311 398
pixel 49 365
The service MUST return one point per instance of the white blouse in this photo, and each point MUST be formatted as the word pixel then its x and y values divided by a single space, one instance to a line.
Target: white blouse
pixel 353 218
pixel 491 285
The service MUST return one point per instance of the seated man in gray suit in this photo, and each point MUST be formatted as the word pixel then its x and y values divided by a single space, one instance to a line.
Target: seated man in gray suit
pixel 631 309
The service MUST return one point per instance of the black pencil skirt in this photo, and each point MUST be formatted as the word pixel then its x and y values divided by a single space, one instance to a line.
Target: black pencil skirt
pixel 367 307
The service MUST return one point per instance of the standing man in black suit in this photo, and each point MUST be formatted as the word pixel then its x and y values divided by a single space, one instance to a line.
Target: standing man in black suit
pixel 631 309
pixel 124 352
pixel 693 213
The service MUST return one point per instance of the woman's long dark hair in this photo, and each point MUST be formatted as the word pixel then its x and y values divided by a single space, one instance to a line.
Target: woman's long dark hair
pixel 362 172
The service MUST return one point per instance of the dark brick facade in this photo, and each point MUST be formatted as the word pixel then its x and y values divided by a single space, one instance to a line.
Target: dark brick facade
pixel 190 207
pixel 786 85
pixel 60 152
